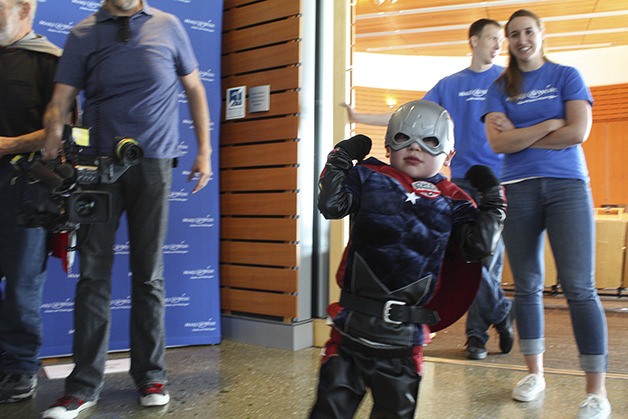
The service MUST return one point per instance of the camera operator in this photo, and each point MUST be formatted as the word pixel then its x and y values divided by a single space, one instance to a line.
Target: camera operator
pixel 128 58
pixel 27 67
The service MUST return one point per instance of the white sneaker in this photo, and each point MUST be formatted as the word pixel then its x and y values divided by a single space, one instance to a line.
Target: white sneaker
pixel 154 394
pixel 67 407
pixel 529 388
pixel 594 407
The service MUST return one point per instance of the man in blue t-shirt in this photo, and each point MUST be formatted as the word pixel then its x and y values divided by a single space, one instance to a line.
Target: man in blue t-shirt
pixel 463 95
pixel 128 58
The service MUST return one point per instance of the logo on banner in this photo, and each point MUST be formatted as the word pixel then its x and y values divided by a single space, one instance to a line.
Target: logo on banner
pixel 188 122
pixel 183 149
pixel 202 326
pixel 87 5
pixel 56 27
pixel 178 196
pixel 201 25
pixel 58 306
pixel 203 273
pixel 207 221
pixel 121 303
pixel 122 248
pixel 207 75
pixel 178 301
pixel 176 248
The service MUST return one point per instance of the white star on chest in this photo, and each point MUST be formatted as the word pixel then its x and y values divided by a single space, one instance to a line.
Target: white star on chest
pixel 412 197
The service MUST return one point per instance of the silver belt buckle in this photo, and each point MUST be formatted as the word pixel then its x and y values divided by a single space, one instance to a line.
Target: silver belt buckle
pixel 387 308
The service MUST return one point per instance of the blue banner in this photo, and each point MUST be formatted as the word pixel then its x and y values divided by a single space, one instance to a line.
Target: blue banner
pixel 191 250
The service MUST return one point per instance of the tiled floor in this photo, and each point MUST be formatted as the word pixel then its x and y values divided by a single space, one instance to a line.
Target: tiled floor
pixel 235 380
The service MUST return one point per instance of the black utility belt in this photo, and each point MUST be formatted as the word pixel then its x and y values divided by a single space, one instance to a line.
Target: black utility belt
pixel 391 311
pixel 363 348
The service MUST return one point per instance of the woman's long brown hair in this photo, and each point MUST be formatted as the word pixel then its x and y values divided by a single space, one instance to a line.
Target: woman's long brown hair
pixel 512 77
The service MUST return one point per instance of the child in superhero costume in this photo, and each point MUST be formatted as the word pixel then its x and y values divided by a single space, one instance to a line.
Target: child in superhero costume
pixel 406 219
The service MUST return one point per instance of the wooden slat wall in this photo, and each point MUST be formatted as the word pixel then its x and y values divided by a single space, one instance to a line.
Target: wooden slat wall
pixel 258 161
pixel 372 100
pixel 605 150
pixel 611 103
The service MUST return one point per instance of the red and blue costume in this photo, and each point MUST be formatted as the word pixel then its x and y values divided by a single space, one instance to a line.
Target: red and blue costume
pixel 393 279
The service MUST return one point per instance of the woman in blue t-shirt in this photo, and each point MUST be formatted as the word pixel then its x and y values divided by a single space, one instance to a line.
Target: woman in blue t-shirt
pixel 538 114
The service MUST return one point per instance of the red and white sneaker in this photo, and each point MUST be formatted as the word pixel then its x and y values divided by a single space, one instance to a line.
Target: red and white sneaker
pixel 154 394
pixel 67 407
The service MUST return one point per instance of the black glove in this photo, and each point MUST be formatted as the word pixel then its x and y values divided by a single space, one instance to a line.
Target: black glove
pixel 481 178
pixel 357 147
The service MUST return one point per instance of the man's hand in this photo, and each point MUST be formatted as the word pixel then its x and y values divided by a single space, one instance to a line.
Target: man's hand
pixel 57 114
pixel 350 111
pixel 52 147
pixel 201 167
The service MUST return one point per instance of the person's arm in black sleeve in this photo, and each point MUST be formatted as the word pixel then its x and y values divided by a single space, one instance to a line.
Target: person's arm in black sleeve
pixel 334 202
pixel 479 238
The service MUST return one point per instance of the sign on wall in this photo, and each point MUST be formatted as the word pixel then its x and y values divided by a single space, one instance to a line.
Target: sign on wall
pixel 192 245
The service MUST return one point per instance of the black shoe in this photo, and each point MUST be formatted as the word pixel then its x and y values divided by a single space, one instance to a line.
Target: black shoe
pixel 16 387
pixel 475 348
pixel 506 332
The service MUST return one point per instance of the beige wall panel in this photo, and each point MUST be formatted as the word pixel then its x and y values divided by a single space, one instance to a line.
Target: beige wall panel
pixel 259 179
pixel 258 204
pixel 259 278
pixel 255 253
pixel 261 35
pixel 266 229
pixel 274 154
pixel 269 304
pixel 284 78
pixel 260 59
pixel 610 252
pixel 255 131
pixel 242 13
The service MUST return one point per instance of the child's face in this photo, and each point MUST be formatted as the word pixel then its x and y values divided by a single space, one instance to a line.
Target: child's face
pixel 416 162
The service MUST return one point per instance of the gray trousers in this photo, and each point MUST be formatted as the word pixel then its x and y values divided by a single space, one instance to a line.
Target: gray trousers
pixel 142 192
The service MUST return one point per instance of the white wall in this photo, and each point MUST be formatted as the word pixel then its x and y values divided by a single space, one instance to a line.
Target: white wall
pixel 599 67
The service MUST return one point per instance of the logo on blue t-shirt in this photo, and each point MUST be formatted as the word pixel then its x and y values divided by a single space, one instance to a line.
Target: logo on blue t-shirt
pixel 474 94
pixel 535 95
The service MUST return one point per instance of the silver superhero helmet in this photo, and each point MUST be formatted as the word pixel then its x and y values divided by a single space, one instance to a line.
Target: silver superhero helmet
pixel 423 122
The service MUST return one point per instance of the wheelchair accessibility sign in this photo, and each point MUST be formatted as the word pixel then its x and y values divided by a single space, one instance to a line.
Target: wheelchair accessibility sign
pixel 236 102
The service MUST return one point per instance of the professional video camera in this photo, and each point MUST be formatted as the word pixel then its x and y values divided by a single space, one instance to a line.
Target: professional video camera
pixel 56 194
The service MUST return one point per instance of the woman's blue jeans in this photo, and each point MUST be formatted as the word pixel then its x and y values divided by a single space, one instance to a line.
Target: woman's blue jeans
pixel 563 208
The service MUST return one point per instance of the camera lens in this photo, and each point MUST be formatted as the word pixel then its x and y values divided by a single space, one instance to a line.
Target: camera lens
pixel 85 206
pixel 89 207
pixel 128 151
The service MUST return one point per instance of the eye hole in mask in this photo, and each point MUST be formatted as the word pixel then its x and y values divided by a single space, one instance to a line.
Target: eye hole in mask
pixel 429 144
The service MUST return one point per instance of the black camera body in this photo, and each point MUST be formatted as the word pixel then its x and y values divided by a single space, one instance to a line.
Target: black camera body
pixel 59 195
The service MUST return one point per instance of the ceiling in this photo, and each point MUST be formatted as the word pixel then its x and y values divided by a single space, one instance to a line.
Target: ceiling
pixel 440 27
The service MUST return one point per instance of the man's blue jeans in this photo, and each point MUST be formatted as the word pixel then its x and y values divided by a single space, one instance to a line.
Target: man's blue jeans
pixel 143 193
pixel 23 259
pixel 490 305
pixel 563 208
